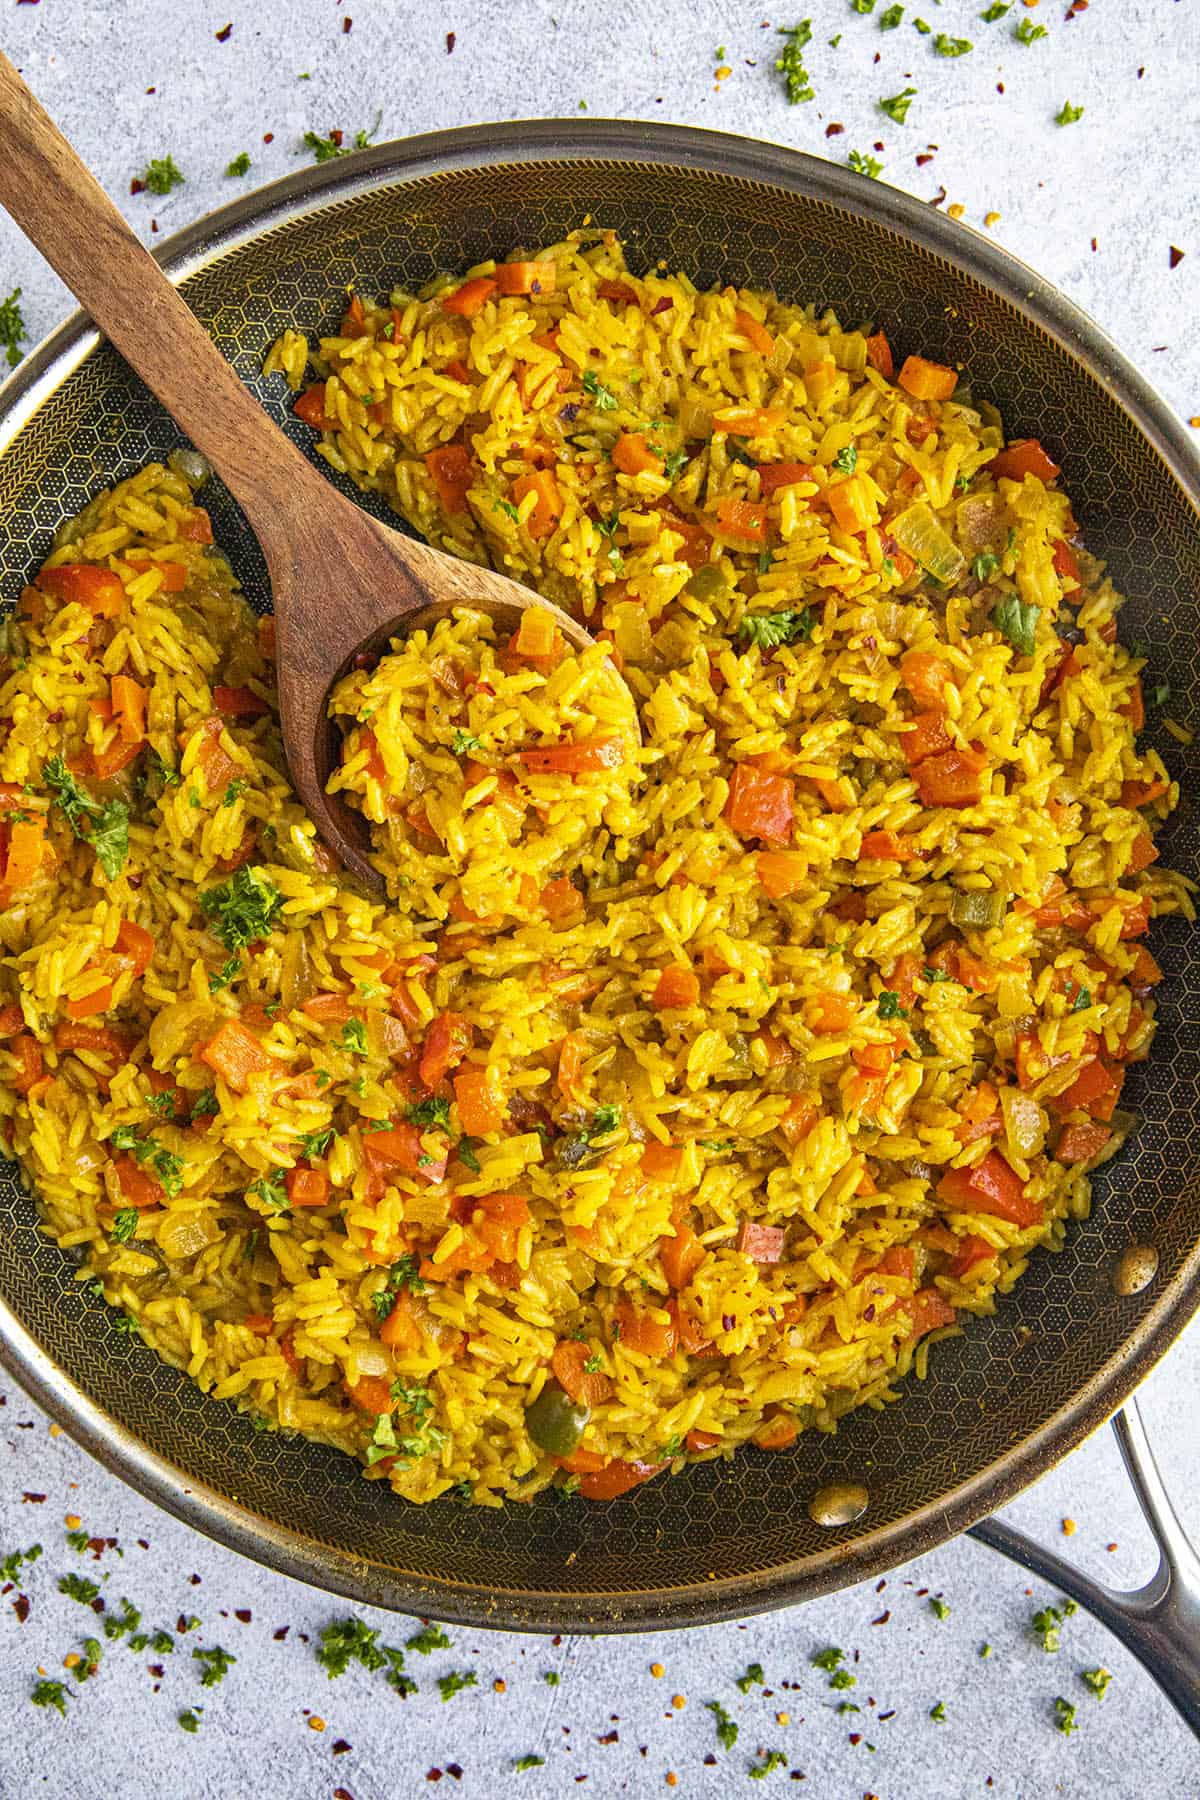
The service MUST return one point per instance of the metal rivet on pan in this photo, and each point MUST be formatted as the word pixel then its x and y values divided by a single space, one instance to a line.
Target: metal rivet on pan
pixel 838 1504
pixel 1135 1269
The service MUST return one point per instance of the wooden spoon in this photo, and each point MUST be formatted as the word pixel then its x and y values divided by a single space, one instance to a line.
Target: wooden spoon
pixel 341 582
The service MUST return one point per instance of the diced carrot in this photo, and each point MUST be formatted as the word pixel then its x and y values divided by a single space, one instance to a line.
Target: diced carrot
pixel 760 804
pixel 526 277
pixel 1136 912
pixel 372 1393
pixel 660 1162
pixel 772 476
pixel 26 848
pixel 637 1329
pixel 852 504
pixel 748 421
pixel 237 703
pixel 926 380
pixel 446 1043
pixel 107 763
pixel 954 779
pixel 11 797
pixel 990 1187
pixel 235 1054
pixel 261 1324
pixel 777 1433
pixel 471 297
pixel 499 1219
pixel 548 507
pixel 137 1188
pixel 776 1051
pixel 561 900
pixel 974 973
pixel 1066 563
pixel 480 1104
pixel 173 574
pixel 214 762
pixel 677 986
pixel 681 1255
pixel 1095 1090
pixel 781 872
pixel 288 1351
pixel 537 636
pixel 1080 1143
pixel 798 1120
pixel 1024 457
pixel 754 331
pixel 874 1059
pixel 1142 852
pixel 827 1014
pixel 879 355
pixel 927 1310
pixel 99 1039
pixel 134 947
pixel 884 846
pixel 820 379
pixel 307 1187
pixel 1141 793
pixel 897 1259
pixel 129 708
pixel 310 407
pixel 1145 971
pixel 88 1005
pixel 587 757
pixel 971 1250
pixel 1034 1062
pixel 99 590
pixel 632 455
pixel 570 1064
pixel 400 1147
pixel 453 474
pixel 582 1462
pixel 927 736
pixel 328 1009
pixel 400 1330
pixel 926 677
pixel 569 1363
pixel 742 519
pixel 616 1478
pixel 30 1067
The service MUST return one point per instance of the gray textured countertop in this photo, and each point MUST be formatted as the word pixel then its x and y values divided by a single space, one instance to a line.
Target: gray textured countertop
pixel 1095 207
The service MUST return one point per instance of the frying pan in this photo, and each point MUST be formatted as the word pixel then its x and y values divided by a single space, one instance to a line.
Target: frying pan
pixel 1066 1348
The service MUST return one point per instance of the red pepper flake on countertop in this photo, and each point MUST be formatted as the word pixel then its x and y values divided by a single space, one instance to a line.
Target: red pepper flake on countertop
pixel 268 137
pixel 226 32
pixel 1176 256
pixel 340 1746
pixel 346 25
pixel 243 1615
pixel 834 130
pixel 21 1607
pixel 32 1499
pixel 451 40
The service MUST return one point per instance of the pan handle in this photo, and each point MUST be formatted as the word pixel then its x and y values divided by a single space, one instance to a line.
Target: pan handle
pixel 1159 1622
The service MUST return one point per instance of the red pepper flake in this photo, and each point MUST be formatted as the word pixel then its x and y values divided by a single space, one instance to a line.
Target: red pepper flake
pixel 143 1543
pixel 1176 257
pixel 882 1619
pixel 268 137
pixel 340 1746
pixel 242 1613
pixel 451 40
pixel 1076 6
pixel 454 1769
pixel 194 1580
pixel 834 130
pixel 887 1715
pixel 157 1670
pixel 938 197
pixel 923 159
pixel 33 1499
pixel 281 1633
pixel 21 1607
pixel 223 36
pixel 610 1737
pixel 346 24
pixel 137 186
pixel 434 1775
pixel 152 90
pixel 342 1794
pixel 335 137
pixel 29 2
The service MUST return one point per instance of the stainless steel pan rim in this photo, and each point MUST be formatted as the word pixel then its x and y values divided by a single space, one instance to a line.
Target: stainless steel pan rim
pixel 849 1557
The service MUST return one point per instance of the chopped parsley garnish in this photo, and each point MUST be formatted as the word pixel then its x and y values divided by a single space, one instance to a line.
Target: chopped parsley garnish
pixel 205 1106
pixel 985 565
pixel 842 1678
pixel 233 792
pixel 985 1650
pixel 189 1719
pixel 427 1113
pixel 753 1677
pixel 727 1731
pixel 996 11
pixel 593 1365
pixel 346 1641
pixel 315 1143
pixel 467 1156
pixel 78 1540
pixel 163 1104
pixel 324 149
pixel 431 1638
pixel 162 1643
pixel 455 1682
pixel 166 1166
pixel 938 1607
pixel 89 1663
pixel 773 1759
pixel 125 1224
pixel 529 1761
pixel 865 165
pixel 354 1037
pixel 889 1005
pixel 828 1659
pixel 790 62
pixel 846 461
pixel 162 175
pixel 1069 115
pixel 78 1587
pixel 402 1274
pixel 718 1146
pixel 1097 1680
pixel 1029 33
pixel 1064 1711
pixel 225 976
pixel 12 328
pixel 108 831
pixel 766 631
pixel 243 909
pixel 240 164
pixel 938 1712
pixel 889 20
pixel 215 1663
pixel 1082 1000
pixel 948 46
pixel 1159 694
pixel 1017 620
pixel 119 1625
pixel 1047 1624
pixel 271 1192
pixel 50 1693
pixel 10 1566
pixel 897 107
pixel 603 398
pixel 674 463
pixel 507 507
pixel 464 742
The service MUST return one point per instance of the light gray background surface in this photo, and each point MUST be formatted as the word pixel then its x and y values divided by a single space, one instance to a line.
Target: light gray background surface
pixel 1095 207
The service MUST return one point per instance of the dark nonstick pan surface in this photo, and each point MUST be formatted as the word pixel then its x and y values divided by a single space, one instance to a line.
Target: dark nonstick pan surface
pixel 1019 1390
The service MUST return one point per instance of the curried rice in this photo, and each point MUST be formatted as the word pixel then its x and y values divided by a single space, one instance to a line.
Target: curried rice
pixel 701 1069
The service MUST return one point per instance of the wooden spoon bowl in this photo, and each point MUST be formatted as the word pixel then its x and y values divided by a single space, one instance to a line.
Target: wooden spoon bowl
pixel 342 584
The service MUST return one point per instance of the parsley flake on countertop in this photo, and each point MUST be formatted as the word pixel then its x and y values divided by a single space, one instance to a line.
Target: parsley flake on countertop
pixel 1029 33
pixel 996 11
pixel 938 1712
pixel 774 1759
pixel 948 46
pixel 430 1638
pixel 897 106
pixel 889 20
pixel 752 1678
pixel 865 165
pixel 162 175
pixel 189 1719
pixel 790 62
pixel 828 1659
pixel 50 1693
pixel 1069 114
pixel 12 328
pixel 324 149
pixel 455 1682
pixel 938 1607
pixel 1064 1716
pixel 727 1731
pixel 240 164
pixel 1097 1680
pixel 529 1761
pixel 78 1587
pixel 215 1663
pixel 1047 1623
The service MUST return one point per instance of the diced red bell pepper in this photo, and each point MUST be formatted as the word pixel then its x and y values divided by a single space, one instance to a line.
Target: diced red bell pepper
pixel 137 1188
pixel 676 987
pixel 772 476
pixel 1096 1090
pixel 453 475
pixel 173 574
pixel 99 590
pixel 927 1310
pixel 129 708
pixel 742 519
pixel 1066 563
pixel 471 297
pixel 588 1387
pixel 310 407
pixel 971 1250
pixel 638 1330
pixel 884 846
pixel 798 1120
pixel 446 1043
pixel 990 1187
pixel 583 758
pixel 307 1187
pixel 30 1067
pixel 616 1478
pixel 240 703
pixel 926 736
pixel 1080 1143
pixel 926 380
pixel 235 1054
pixel 1024 457
pixel 632 455
pixel 879 355
pixel 400 1147
pixel 681 1255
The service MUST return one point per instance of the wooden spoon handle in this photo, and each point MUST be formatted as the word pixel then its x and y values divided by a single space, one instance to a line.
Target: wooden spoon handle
pixel 65 212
